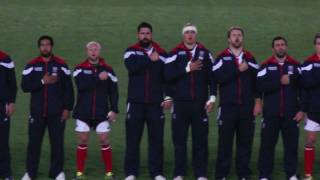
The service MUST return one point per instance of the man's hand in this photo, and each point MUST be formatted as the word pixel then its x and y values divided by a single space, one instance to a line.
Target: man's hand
pixel 65 115
pixel 103 76
pixel 194 66
pixel 285 80
pixel 299 116
pixel 209 107
pixel 243 67
pixel 10 108
pixel 257 107
pixel 112 116
pixel 49 79
pixel 154 56
pixel 166 104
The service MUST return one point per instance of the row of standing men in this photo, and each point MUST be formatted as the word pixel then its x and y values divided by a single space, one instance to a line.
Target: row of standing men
pixel 185 80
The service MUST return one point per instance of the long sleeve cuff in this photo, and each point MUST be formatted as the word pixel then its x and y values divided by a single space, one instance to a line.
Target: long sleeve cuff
pixel 212 99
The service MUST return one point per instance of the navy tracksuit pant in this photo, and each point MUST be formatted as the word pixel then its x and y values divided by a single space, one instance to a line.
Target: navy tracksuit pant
pixel 270 129
pixel 37 127
pixel 186 114
pixel 5 168
pixel 235 120
pixel 137 115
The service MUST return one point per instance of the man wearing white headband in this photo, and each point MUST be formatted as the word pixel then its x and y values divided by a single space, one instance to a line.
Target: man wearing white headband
pixel 188 67
pixel 189 27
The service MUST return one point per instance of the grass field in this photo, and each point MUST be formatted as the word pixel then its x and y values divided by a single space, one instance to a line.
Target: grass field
pixel 113 23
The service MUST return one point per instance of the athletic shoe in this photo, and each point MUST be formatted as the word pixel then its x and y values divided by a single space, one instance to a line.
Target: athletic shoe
pixel 26 177
pixel 110 176
pixel 79 176
pixel 178 178
pixel 294 177
pixel 8 178
pixel 61 176
pixel 130 177
pixel 308 177
pixel 202 178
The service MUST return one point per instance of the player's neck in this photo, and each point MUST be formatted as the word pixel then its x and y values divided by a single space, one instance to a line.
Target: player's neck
pixel 236 51
pixel 281 59
pixel 149 47
pixel 46 58
pixel 318 54
pixel 93 61
pixel 190 46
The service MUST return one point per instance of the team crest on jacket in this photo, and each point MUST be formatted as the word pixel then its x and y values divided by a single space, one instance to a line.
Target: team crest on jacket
pixel 290 69
pixel 54 69
pixel 201 55
pixel 38 69
pixel 87 71
pixel 139 53
pixel 227 58
pixel 273 68
pixel 182 53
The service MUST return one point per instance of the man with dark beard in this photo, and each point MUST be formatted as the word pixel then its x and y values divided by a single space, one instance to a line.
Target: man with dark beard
pixel 47 79
pixel 278 82
pixel 235 72
pixel 145 64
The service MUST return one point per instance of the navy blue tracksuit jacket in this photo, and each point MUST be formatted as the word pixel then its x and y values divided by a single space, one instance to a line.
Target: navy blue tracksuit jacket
pixel 48 99
pixel 280 105
pixel 192 86
pixel 46 106
pixel 310 71
pixel 95 97
pixel 146 78
pixel 146 91
pixel 8 92
pixel 190 93
pixel 237 92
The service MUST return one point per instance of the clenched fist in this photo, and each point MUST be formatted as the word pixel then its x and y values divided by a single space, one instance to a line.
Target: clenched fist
pixel 154 56
pixel 103 75
pixel 285 80
pixel 243 67
pixel 49 79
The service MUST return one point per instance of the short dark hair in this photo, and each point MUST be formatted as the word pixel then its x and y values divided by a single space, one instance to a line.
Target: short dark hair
pixel 278 38
pixel 317 36
pixel 47 38
pixel 235 28
pixel 144 25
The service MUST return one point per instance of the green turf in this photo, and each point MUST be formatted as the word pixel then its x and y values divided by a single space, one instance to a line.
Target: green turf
pixel 113 23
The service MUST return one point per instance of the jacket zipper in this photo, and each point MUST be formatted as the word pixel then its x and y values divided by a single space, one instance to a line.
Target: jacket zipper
pixel 238 85
pixel 146 86
pixel 94 99
pixel 239 90
pixel 192 81
pixel 192 86
pixel 45 106
pixel 281 94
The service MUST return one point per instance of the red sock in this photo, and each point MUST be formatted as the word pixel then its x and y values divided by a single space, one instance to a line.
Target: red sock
pixel 309 157
pixel 81 157
pixel 106 153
